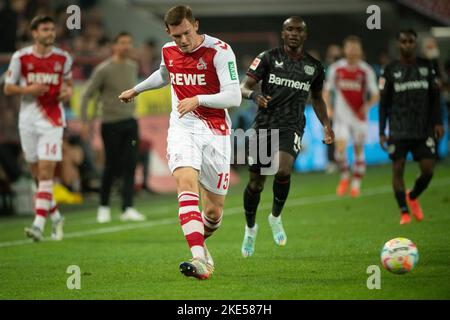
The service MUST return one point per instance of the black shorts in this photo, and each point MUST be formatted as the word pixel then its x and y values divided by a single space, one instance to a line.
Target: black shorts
pixel 267 145
pixel 420 148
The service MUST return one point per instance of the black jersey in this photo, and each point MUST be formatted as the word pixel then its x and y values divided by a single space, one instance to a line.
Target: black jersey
pixel 409 99
pixel 288 81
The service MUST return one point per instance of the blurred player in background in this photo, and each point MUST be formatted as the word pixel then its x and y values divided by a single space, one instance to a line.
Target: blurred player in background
pixel 350 79
pixel 410 104
pixel 288 76
pixel 203 75
pixel 119 127
pixel 41 74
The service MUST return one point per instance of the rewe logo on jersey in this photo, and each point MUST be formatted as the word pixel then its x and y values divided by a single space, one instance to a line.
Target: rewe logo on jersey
pixel 186 79
pixel 43 78
pixel 273 79
pixel 351 85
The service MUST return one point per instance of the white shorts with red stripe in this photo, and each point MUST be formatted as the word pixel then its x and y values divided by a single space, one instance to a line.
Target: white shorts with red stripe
pixel 207 153
pixel 41 143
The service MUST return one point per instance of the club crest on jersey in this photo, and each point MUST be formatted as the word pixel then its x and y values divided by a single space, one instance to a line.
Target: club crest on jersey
pixel 30 66
pixel 255 64
pixel 57 67
pixel 170 63
pixel 201 65
pixel 397 75
pixel 279 64
pixel 309 70
pixel 423 71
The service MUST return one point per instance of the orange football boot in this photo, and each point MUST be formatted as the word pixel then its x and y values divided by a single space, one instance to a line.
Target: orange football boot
pixel 406 219
pixel 342 187
pixel 415 207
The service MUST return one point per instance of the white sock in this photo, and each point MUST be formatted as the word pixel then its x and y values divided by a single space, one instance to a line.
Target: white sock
pixel 103 208
pixel 55 215
pixel 198 252
pixel 39 221
pixel 274 219
pixel 356 183
pixel 251 231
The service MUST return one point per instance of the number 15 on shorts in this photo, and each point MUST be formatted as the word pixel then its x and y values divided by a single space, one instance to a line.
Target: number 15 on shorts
pixel 224 181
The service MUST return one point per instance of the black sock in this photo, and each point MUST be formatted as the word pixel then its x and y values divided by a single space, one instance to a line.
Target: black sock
pixel 251 201
pixel 280 193
pixel 420 185
pixel 401 201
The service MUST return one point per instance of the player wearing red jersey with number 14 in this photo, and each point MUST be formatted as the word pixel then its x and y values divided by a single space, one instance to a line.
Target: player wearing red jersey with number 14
pixel 204 83
pixel 37 73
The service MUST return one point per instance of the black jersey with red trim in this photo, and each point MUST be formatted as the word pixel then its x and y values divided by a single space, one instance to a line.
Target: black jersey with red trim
pixel 288 81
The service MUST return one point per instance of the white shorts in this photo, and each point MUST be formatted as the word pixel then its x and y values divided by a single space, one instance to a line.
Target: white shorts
pixel 41 143
pixel 351 128
pixel 209 154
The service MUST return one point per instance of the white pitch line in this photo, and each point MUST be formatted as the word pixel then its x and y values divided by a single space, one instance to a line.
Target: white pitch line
pixel 229 211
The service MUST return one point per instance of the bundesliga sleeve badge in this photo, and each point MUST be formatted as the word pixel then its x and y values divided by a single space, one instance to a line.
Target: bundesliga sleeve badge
pixel 255 64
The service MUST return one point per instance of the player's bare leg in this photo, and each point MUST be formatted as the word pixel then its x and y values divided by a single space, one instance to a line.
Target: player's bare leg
pixel 398 184
pixel 359 169
pixel 252 196
pixel 342 162
pixel 191 222
pixel 212 214
pixel 422 182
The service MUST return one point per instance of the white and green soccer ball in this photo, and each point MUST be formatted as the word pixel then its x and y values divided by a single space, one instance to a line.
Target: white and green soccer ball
pixel 399 255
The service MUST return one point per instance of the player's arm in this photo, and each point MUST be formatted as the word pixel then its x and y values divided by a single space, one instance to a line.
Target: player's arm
pixel 255 73
pixel 67 86
pixel 248 92
pixel 66 91
pixel 436 115
pixel 13 77
pixel 34 89
pixel 373 90
pixel 385 85
pixel 329 87
pixel 156 80
pixel 320 107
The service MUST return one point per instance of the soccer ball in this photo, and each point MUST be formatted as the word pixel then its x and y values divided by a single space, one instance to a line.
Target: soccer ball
pixel 399 255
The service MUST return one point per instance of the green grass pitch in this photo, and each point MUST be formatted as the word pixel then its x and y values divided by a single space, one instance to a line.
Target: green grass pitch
pixel 331 242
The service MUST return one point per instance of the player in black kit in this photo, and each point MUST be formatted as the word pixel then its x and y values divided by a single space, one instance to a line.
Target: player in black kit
pixel 288 76
pixel 410 103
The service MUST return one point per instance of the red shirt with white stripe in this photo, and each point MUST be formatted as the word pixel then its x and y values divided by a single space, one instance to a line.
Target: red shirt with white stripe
pixel 204 71
pixel 28 67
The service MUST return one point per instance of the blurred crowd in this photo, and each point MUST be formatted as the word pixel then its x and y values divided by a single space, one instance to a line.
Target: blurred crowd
pixel 89 45
pixel 80 170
